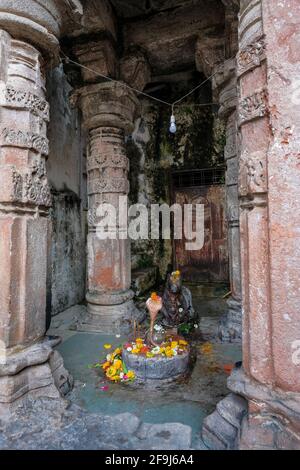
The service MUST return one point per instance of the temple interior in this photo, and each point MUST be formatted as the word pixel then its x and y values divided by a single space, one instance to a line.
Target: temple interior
pixel 87 91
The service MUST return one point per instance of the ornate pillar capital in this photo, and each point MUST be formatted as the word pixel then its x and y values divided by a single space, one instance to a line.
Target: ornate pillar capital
pixel 38 22
pixel 108 104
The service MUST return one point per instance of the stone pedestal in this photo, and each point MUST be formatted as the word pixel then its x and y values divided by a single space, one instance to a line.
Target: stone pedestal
pixel 157 369
pixel 108 113
pixel 28 364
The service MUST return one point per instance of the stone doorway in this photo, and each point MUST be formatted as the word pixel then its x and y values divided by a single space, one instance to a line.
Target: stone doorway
pixel 210 263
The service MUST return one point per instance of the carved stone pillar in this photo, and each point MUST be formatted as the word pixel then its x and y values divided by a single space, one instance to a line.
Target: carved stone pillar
pixel 269 70
pixel 231 324
pixel 268 417
pixel 210 58
pixel 28 364
pixel 108 112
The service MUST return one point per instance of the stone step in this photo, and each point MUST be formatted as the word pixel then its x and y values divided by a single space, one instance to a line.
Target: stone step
pixel 221 429
pixel 232 408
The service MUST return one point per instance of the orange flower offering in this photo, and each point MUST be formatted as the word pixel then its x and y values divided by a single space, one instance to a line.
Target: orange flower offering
pixel 114 366
pixel 155 297
pixel 228 368
pixel 169 348
pixel 206 348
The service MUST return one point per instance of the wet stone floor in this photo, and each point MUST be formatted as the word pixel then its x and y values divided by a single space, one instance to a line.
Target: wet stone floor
pixel 186 401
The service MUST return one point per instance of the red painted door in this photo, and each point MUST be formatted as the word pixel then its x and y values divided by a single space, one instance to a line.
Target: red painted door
pixel 210 263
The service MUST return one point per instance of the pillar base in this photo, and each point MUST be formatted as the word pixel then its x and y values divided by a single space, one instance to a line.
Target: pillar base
pixel 253 417
pixel 273 418
pixel 110 313
pixel 37 371
pixel 230 327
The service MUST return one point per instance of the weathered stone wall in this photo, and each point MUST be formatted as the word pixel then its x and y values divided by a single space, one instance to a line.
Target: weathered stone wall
pixel 154 152
pixel 66 176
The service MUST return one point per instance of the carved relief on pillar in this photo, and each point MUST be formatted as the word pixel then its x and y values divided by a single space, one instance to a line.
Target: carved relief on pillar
pixel 10 97
pixel 33 187
pixel 24 117
pixel 107 167
pixel 22 139
pixel 233 215
pixel 253 107
pixel 252 174
pixel 251 56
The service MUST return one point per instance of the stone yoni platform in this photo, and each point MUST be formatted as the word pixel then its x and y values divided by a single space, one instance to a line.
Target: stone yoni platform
pixel 158 367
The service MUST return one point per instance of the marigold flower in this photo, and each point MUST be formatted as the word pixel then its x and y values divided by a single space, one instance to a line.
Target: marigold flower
pixel 169 352
pixel 155 297
pixel 107 346
pixel 118 363
pixel 106 365
pixel 116 378
pixel 111 372
pixel 135 351
pixel 206 348
pixel 117 351
pixel 139 340
pixel 174 344
pixel 130 374
pixel 182 342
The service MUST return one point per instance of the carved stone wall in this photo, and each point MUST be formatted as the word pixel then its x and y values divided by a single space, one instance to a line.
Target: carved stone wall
pixel 66 169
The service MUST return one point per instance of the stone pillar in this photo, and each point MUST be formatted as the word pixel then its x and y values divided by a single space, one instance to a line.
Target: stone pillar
pixel 231 323
pixel 211 58
pixel 269 122
pixel 108 113
pixel 28 364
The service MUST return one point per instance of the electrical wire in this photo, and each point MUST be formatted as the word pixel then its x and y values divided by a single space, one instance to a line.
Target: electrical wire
pixel 174 104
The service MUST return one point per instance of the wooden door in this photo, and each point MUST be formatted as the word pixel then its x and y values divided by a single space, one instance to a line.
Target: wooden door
pixel 209 264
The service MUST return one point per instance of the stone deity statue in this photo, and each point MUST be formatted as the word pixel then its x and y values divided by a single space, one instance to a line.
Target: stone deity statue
pixel 177 305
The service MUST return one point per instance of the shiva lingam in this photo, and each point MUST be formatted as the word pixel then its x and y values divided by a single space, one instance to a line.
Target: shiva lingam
pixel 157 357
pixel 154 305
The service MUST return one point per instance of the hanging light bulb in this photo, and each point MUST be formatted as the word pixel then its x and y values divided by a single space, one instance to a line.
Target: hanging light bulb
pixel 173 127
